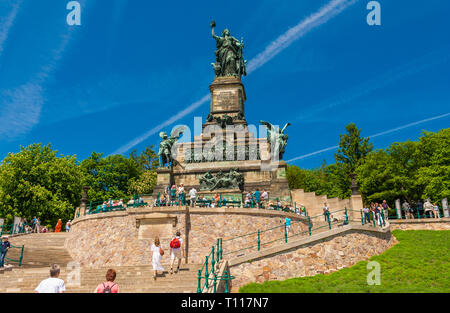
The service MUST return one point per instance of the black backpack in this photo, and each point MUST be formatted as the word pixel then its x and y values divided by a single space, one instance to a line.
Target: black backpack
pixel 107 289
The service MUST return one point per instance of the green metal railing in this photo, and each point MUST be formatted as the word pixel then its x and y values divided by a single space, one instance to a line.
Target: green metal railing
pixel 18 261
pixel 10 229
pixel 106 206
pixel 206 276
pixel 416 214
pixel 285 233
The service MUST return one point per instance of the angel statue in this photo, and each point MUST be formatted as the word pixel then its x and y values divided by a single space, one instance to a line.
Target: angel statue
pixel 276 138
pixel 229 56
pixel 165 147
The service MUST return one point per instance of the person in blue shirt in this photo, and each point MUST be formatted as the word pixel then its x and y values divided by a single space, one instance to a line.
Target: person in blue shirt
pixel 5 245
pixel 288 224
pixel 257 197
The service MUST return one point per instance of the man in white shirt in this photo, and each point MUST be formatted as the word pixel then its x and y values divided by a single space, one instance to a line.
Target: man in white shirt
pixel 193 196
pixel 52 284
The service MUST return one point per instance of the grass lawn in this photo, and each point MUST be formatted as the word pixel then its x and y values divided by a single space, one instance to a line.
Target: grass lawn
pixel 420 262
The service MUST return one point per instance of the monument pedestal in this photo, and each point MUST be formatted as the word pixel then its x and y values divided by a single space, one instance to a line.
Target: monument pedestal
pixel 226 146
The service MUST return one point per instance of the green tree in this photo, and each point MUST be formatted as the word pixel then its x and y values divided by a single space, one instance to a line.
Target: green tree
pixel 37 182
pixel 433 155
pixel 109 177
pixel 352 148
pixel 148 160
pixel 144 184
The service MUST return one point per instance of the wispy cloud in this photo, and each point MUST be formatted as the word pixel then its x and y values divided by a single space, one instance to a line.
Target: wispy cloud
pixel 417 65
pixel 22 106
pixel 393 130
pixel 311 22
pixel 7 23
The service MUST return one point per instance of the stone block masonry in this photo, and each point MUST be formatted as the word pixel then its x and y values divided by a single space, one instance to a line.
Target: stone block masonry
pixel 323 256
pixel 124 238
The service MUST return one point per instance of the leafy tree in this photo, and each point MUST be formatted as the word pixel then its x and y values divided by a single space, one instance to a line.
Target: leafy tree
pixel 37 182
pixel 144 184
pixel 148 160
pixel 109 177
pixel 352 148
pixel 433 155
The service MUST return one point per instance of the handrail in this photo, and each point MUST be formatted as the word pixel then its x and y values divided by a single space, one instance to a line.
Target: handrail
pixel 19 261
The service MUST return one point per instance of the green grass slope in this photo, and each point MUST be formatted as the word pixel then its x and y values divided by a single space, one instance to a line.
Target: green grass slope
pixel 418 263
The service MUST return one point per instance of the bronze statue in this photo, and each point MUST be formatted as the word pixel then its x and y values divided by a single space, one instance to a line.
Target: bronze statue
pixel 166 145
pixel 276 137
pixel 231 180
pixel 229 55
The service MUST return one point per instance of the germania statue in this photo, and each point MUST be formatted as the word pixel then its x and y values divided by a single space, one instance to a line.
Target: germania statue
pixel 229 55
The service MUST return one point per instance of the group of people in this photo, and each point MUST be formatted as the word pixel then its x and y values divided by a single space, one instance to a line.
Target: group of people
pixel 421 209
pixel 256 199
pixel 377 212
pixel 174 195
pixel 54 284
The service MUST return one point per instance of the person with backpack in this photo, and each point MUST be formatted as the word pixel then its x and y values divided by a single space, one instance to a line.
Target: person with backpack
pixel 109 286
pixel 158 252
pixel 176 251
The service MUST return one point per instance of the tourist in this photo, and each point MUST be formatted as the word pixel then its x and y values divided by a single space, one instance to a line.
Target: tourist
pixel 58 226
pixel 193 196
pixel 173 195
pixel 436 210
pixel 385 208
pixel 33 223
pixel 303 210
pixel 366 212
pixel 68 224
pixel 264 198
pixel 158 252
pixel 407 209
pixel 419 208
pixel 176 251
pixel 428 207
pixel 257 198
pixel 378 211
pixel 216 198
pixel 37 225
pixel 52 284
pixel 5 245
pixel 326 211
pixel 109 286
pixel 181 195
pixel 287 222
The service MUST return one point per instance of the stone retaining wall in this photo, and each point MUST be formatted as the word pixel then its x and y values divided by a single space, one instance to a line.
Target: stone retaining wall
pixel 124 238
pixel 326 255
pixel 421 224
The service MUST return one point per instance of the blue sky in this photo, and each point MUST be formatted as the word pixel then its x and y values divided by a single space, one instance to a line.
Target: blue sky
pixel 134 65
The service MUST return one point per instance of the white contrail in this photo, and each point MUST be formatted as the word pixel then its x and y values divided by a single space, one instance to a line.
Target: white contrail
pixel 373 136
pixel 316 19
pixel 7 23
pixel 156 129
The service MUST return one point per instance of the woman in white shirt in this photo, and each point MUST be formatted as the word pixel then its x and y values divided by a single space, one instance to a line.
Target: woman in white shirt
pixel 158 252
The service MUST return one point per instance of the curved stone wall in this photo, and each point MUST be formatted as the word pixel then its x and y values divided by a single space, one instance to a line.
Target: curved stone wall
pixel 124 238
pixel 316 255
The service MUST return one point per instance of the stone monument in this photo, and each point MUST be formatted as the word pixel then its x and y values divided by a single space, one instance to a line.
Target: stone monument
pixel 226 158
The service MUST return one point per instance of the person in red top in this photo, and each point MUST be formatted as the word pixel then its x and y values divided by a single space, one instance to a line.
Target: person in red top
pixel 58 226
pixel 109 286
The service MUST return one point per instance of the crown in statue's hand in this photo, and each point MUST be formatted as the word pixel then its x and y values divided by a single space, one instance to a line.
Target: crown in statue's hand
pixel 213 24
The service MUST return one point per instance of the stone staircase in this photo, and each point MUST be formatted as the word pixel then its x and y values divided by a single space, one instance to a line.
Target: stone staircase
pixel 42 250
